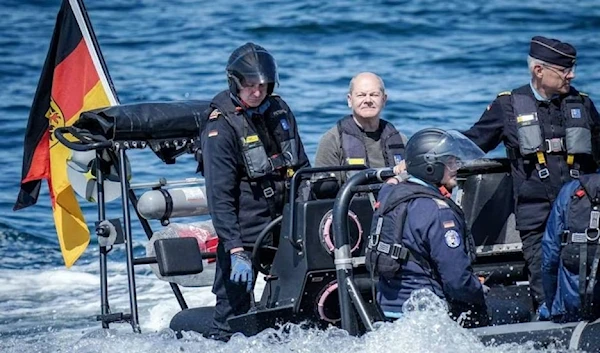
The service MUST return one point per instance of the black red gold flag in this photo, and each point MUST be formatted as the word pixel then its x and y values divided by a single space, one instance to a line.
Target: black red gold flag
pixel 74 79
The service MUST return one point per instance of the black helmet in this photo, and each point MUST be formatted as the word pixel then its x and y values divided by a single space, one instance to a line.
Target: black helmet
pixel 429 151
pixel 251 63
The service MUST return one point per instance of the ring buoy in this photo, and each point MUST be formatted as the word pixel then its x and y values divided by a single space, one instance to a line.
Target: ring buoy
pixel 325 231
pixel 323 296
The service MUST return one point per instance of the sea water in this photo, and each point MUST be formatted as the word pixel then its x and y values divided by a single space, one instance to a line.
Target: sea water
pixel 442 62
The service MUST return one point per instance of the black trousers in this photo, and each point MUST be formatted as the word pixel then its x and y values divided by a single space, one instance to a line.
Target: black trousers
pixel 532 251
pixel 232 299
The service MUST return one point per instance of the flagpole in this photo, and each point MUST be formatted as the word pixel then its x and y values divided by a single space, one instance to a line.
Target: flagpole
pixel 90 40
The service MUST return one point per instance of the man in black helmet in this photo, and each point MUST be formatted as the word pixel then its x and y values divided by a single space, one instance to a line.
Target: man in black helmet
pixel 551 132
pixel 250 148
pixel 418 235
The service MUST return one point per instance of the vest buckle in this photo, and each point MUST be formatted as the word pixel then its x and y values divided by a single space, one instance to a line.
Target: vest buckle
pixel 543 173
pixel 268 192
pixel 277 162
pixel 564 239
pixel 554 145
pixel 396 251
pixel 574 173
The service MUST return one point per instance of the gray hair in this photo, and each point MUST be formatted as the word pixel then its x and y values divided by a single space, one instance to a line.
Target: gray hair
pixel 381 84
pixel 531 62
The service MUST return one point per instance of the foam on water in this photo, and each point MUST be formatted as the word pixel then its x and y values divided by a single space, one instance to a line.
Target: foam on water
pixel 424 328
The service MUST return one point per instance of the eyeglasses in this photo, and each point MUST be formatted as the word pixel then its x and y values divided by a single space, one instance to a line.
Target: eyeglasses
pixel 562 72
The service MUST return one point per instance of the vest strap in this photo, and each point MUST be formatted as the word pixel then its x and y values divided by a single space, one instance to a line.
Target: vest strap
pixel 269 193
pixel 583 254
pixel 511 153
pixel 401 254
pixel 580 238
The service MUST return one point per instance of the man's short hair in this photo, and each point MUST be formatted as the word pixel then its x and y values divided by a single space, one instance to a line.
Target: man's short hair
pixel 351 85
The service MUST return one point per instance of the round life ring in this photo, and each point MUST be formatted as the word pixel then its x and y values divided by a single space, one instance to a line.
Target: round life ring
pixel 325 230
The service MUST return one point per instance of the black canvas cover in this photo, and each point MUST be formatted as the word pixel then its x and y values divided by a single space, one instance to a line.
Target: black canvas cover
pixel 146 121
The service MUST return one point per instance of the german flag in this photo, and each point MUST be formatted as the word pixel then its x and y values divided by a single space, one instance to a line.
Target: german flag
pixel 74 79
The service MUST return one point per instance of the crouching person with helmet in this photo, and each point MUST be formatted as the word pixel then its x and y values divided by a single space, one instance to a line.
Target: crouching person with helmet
pixel 418 237
pixel 571 251
pixel 250 149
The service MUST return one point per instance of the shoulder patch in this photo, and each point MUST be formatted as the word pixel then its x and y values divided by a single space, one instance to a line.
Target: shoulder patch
pixel 441 203
pixel 214 114
pixel 583 94
pixel 452 238
pixel 504 93
pixel 213 133
pixel 279 112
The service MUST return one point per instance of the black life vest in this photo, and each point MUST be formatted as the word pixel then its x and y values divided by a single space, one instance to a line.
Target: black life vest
pixel 532 142
pixel 580 252
pixel 386 253
pixel 257 163
pixel 353 144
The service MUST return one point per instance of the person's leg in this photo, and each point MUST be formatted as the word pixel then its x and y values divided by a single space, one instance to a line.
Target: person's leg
pixel 532 251
pixel 232 299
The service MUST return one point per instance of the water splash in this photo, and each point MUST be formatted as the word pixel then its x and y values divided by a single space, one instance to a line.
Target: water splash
pixel 424 328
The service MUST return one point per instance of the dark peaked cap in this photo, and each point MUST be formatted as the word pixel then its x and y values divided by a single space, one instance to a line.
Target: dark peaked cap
pixel 552 51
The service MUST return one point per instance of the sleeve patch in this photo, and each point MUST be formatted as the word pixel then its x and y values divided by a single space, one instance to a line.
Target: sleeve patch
pixel 213 133
pixel 214 114
pixel 504 93
pixel 448 224
pixel 452 238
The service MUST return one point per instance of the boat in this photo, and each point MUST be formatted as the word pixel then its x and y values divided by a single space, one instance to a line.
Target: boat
pixel 315 273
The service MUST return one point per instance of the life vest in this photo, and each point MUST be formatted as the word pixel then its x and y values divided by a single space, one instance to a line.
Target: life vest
pixel 353 145
pixel 580 251
pixel 532 142
pixel 386 253
pixel 257 163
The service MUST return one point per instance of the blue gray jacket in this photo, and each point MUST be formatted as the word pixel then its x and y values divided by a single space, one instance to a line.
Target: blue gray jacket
pixel 560 280
pixel 433 232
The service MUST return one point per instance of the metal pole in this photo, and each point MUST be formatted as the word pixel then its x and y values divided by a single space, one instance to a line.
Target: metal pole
pixel 359 305
pixel 104 306
pixel 342 253
pixel 128 241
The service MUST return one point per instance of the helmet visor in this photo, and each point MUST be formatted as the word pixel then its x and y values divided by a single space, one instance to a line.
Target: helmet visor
pixel 255 67
pixel 455 150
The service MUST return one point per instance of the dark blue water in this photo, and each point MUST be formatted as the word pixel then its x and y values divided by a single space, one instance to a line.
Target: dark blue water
pixel 442 63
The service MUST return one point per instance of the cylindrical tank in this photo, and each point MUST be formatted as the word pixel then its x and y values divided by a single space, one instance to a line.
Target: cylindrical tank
pixel 172 203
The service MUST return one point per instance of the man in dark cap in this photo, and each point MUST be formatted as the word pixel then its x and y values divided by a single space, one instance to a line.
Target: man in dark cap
pixel 551 133
pixel 250 149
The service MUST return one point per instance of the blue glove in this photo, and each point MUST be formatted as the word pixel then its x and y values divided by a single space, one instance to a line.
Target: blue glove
pixel 543 313
pixel 241 270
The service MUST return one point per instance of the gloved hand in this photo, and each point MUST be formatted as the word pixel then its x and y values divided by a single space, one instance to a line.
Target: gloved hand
pixel 543 314
pixel 486 289
pixel 241 270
